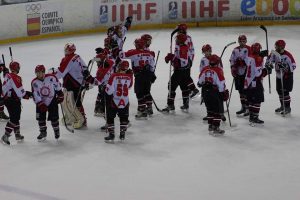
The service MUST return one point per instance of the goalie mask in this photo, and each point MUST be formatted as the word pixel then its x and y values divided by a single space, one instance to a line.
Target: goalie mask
pixel 70 48
pixel 14 66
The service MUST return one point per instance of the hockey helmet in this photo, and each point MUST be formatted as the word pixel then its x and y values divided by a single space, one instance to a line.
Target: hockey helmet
pixel 40 68
pixel 182 28
pixel 255 48
pixel 139 43
pixel 206 48
pixel 118 30
pixel 107 42
pixel 280 44
pixel 147 38
pixel 102 55
pixel 124 65
pixel 14 66
pixel 242 38
pixel 69 48
pixel 214 60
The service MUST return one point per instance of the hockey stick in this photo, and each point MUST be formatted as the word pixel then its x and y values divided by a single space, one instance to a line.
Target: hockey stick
pixel 63 114
pixel 228 114
pixel 10 53
pixel 171 50
pixel 231 43
pixel 159 110
pixel 267 43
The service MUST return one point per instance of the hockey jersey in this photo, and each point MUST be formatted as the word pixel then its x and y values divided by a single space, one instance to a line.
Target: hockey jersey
pixel 140 59
pixel 45 90
pixel 190 44
pixel 182 56
pixel 285 58
pixel 70 70
pixel 213 76
pixel 104 72
pixel 237 58
pixel 254 65
pixel 12 87
pixel 120 40
pixel 118 86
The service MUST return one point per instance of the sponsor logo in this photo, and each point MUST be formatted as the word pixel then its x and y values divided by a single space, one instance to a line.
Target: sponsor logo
pixel 173 10
pixel 103 14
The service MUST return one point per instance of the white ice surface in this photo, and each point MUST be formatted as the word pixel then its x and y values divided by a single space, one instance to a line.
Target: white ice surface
pixel 168 157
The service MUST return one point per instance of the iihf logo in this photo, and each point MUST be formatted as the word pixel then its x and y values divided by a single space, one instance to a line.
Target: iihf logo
pixel 103 14
pixel 173 10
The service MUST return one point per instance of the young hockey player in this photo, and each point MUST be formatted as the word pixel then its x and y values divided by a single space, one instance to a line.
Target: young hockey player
pixel 238 71
pixel 148 97
pixel 47 94
pixel 214 92
pixel 118 101
pixel 207 52
pixel 182 29
pixel 253 84
pixel 72 70
pixel 284 68
pixel 143 69
pixel 3 116
pixel 12 93
pixel 181 75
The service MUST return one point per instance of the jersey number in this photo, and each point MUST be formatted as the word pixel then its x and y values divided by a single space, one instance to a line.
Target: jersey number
pixel 122 90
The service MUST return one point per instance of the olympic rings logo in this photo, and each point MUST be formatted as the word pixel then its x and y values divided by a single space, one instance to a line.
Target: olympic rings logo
pixel 33 8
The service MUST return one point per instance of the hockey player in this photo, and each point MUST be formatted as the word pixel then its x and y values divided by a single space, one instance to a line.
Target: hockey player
pixel 238 71
pixel 182 29
pixel 253 84
pixel 3 116
pixel 72 69
pixel 12 93
pixel 284 68
pixel 47 94
pixel 181 75
pixel 212 81
pixel 143 69
pixel 118 101
pixel 148 97
pixel 207 52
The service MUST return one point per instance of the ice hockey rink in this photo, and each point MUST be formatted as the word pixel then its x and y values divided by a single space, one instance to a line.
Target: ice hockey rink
pixel 167 157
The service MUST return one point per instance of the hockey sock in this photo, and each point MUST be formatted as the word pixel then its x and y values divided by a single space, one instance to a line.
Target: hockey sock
pixel 171 98
pixel 42 126
pixel 9 128
pixel 55 126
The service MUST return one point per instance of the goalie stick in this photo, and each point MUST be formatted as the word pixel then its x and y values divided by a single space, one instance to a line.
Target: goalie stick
pixel 65 123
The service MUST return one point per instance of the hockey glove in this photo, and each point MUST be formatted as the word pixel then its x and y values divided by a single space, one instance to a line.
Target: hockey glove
pixel 233 71
pixel 199 84
pixel 27 95
pixel 85 74
pixel 283 66
pixel 169 57
pixel 128 22
pixel 152 77
pixel 42 107
pixel 2 66
pixel 60 97
pixel 263 53
pixel 225 95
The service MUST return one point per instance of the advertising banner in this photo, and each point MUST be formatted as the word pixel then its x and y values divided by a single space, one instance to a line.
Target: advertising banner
pixel 112 12
pixel 44 18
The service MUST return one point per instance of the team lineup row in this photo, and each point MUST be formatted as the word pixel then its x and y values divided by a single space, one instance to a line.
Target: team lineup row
pixel 114 78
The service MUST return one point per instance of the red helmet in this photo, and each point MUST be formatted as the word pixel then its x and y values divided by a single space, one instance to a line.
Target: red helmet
pixel 139 43
pixel 146 37
pixel 255 48
pixel 14 66
pixel 242 38
pixel 206 47
pixel 102 55
pixel 214 60
pixel 280 43
pixel 181 38
pixel 124 65
pixel 40 68
pixel 182 27
pixel 69 48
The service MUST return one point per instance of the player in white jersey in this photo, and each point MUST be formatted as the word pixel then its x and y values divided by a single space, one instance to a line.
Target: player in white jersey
pixel 118 100
pixel 212 81
pixel 285 64
pixel 72 69
pixel 182 29
pixel 47 94
pixel 238 71
pixel 12 93
pixel 3 116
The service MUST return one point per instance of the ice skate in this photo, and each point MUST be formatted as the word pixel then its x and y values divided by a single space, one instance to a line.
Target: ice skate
pixel 279 110
pixel 3 116
pixel 217 131
pixel 254 120
pixel 19 137
pixel 122 135
pixel 149 110
pixel 194 92
pixel 5 139
pixel 141 115
pixel 110 138
pixel 286 111
pixel 42 136
pixel 168 109
pixel 243 110
pixel 57 134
